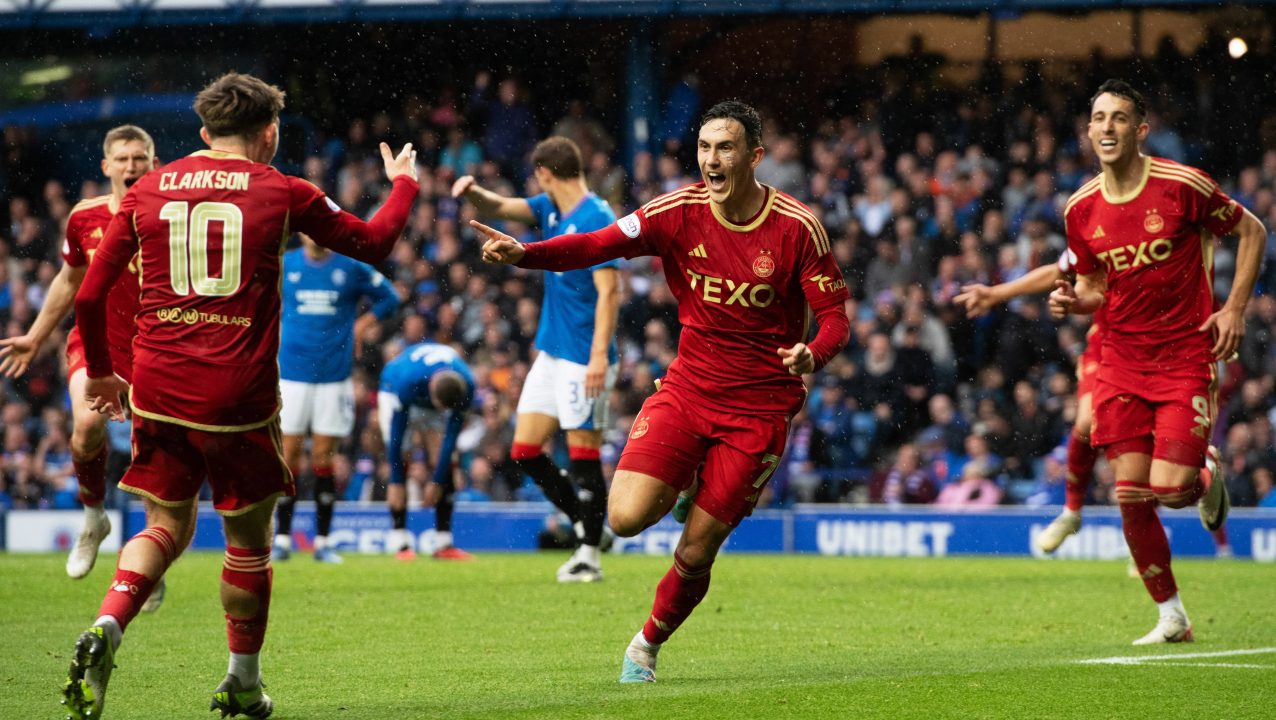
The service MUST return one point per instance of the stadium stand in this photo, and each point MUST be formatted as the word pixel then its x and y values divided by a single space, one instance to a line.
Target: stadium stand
pixel 924 183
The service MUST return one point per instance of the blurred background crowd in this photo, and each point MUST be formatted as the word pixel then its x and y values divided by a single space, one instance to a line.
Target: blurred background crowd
pixel 924 186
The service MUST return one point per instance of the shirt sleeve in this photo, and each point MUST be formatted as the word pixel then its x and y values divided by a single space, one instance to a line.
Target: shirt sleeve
pixel 541 207
pixel 315 214
pixel 1079 255
pixel 113 255
pixel 629 237
pixel 384 299
pixel 72 248
pixel 447 448
pixel 826 293
pixel 1216 212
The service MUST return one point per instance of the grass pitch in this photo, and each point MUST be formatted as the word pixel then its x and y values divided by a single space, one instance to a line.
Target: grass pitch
pixel 777 637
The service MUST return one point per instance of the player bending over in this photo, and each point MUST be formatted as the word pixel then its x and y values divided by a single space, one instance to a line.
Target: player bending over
pixel 431 384
pixel 745 262
pixel 205 392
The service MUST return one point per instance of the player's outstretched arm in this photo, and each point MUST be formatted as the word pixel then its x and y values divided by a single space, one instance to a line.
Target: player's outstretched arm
pixel 320 218
pixel 489 204
pixel 565 252
pixel 980 299
pixel 1228 324
pixel 18 352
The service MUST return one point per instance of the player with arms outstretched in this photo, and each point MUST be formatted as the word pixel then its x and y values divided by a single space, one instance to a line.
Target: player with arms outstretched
pixel 1142 236
pixel 428 382
pixel 745 262
pixel 128 153
pixel 322 291
pixel 574 371
pixel 210 228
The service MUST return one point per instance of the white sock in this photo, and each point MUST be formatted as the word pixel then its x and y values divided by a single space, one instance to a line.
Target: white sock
pixel 94 512
pixel 247 668
pixel 114 632
pixel 1069 513
pixel 283 541
pixel 646 644
pixel 579 527
pixel 442 539
pixel 321 542
pixel 587 553
pixel 1173 606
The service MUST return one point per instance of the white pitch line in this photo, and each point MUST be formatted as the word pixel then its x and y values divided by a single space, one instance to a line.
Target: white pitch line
pixel 1140 659
pixel 1218 665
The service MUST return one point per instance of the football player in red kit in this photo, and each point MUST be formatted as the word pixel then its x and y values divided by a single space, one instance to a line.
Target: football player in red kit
pixel 211 229
pixel 1140 237
pixel 745 262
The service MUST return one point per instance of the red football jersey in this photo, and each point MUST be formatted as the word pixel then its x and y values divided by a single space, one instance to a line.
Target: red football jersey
pixel 1157 247
pixel 211 229
pixel 85 229
pixel 743 291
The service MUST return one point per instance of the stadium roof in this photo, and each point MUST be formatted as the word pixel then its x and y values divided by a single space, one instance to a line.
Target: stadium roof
pixel 122 13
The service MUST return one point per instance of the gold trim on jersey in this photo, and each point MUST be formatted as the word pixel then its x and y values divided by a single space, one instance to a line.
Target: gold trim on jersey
pixel 89 203
pixel 771 194
pixel 803 214
pixel 249 508
pixel 1207 258
pixel 200 426
pixel 668 200
pixel 1188 176
pixel 1082 193
pixel 1122 199
pixel 686 200
pixel 218 155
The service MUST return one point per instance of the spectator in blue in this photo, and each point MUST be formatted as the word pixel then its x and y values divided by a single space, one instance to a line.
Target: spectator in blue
pixel 1051 485
pixel 511 129
pixel 461 154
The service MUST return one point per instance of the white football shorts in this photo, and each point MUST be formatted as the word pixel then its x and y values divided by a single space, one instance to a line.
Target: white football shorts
pixel 321 408
pixel 556 387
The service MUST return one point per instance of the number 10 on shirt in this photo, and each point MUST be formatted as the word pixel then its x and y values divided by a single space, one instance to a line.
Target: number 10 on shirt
pixel 188 247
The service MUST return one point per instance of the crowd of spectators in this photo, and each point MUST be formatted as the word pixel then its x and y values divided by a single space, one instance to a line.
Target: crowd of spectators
pixel 923 189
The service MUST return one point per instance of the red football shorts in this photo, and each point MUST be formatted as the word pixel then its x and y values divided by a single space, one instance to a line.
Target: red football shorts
pixel 1170 414
pixel 1087 374
pixel 171 462
pixel 121 360
pixel 673 434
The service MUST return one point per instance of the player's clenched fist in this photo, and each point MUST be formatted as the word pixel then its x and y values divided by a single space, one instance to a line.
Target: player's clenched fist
pixel 1062 299
pixel 798 359
pixel 498 247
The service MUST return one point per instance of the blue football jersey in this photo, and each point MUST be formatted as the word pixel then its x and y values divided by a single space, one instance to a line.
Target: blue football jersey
pixel 566 327
pixel 320 302
pixel 408 378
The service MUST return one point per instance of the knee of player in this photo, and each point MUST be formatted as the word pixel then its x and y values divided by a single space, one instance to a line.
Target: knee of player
pixel 87 438
pixel 626 521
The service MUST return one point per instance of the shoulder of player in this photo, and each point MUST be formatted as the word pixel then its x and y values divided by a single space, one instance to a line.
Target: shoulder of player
pixel 98 203
pixel 1087 190
pixel 694 194
pixel 1181 174
pixel 790 210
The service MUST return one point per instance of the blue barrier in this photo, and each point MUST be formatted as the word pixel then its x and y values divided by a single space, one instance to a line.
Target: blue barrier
pixel 814 529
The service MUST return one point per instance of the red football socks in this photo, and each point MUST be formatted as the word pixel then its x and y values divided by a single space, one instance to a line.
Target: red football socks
pixel 678 593
pixel 250 571
pixel 1081 457
pixel 91 475
pixel 129 590
pixel 1146 538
